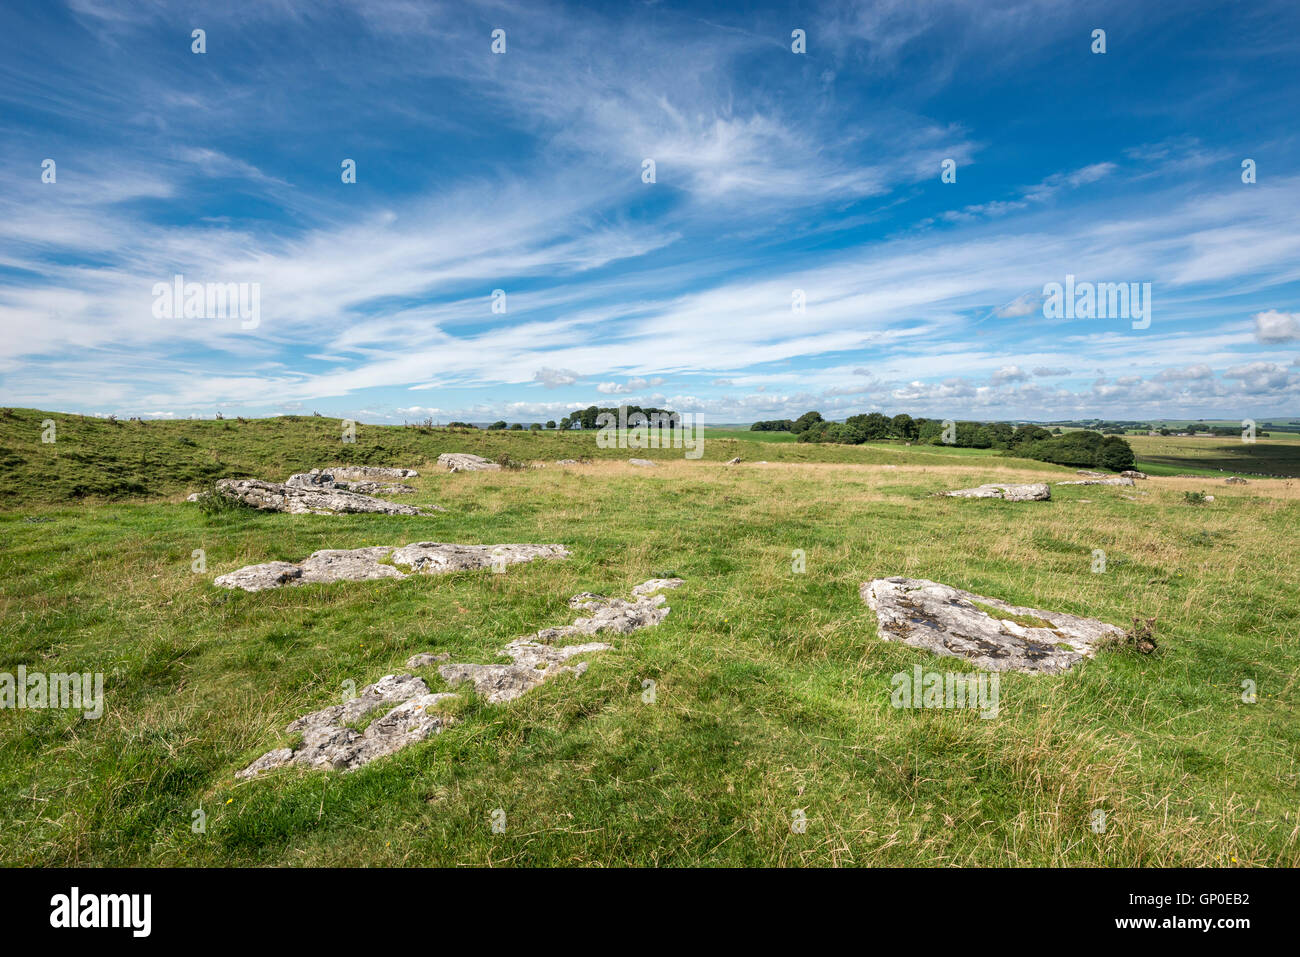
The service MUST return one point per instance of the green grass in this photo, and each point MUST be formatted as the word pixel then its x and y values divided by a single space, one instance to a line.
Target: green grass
pixel 1278 455
pixel 772 687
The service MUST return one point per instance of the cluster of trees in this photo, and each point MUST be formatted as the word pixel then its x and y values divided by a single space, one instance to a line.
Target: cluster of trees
pixel 586 418
pixel 1083 448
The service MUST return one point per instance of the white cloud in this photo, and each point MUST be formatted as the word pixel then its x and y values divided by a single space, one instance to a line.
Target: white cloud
pixel 1274 326
pixel 555 378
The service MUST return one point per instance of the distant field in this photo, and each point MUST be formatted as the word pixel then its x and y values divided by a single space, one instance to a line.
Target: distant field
pixel 748 436
pixel 1170 455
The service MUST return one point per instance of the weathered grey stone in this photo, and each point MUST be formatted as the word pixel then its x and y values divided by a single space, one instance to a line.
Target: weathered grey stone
pixel 361 564
pixel 464 462
pixel 1110 480
pixel 439 557
pixel 537 659
pixel 735 461
pixel 1034 492
pixel 566 461
pixel 328 742
pixel 643 463
pixel 946 621
pixel 367 473
pixel 319 479
pixel 1133 474
pixel 279 497
pixel 1235 480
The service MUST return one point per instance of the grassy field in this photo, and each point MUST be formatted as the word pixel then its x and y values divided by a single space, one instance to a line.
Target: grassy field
pixel 1277 455
pixel 773 690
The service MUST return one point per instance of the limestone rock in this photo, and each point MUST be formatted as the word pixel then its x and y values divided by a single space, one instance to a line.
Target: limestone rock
pixel 318 479
pixel 1033 492
pixel 279 497
pixel 566 461
pixel 536 659
pixel 1235 480
pixel 328 742
pixel 1133 474
pixel 438 557
pixel 1110 480
pixel 464 462
pixel 946 621
pixel 643 463
pixel 367 473
pixel 735 461
pixel 380 561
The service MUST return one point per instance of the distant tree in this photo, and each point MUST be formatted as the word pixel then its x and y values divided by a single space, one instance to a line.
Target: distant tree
pixel 1115 454
pixel 565 423
pixel 516 427
pixel 805 420
pixel 904 426
pixel 498 424
pixel 535 427
pixel 550 423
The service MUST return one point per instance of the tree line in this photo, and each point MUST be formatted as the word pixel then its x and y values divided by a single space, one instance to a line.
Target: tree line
pixel 1082 447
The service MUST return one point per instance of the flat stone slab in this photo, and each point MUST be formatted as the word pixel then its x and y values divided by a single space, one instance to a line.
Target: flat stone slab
pixel 329 742
pixel 643 463
pixel 324 479
pixel 948 621
pixel 281 497
pixel 367 473
pixel 382 561
pixel 1112 480
pixel 464 462
pixel 1034 492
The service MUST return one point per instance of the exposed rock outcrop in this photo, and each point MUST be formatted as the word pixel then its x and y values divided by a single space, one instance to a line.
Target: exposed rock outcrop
pixel 1110 480
pixel 329 742
pixel 367 473
pixel 643 463
pixel 947 621
pixel 464 462
pixel 1235 480
pixel 1133 474
pixel 382 561
pixel 297 500
pixel 321 479
pixel 1033 492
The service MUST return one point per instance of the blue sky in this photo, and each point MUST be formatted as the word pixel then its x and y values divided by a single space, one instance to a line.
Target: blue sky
pixel 774 171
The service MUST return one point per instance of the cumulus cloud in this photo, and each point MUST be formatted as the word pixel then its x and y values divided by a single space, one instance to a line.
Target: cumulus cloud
pixel 635 384
pixel 1193 373
pixel 1274 326
pixel 555 378
pixel 1261 376
pixel 1012 373
pixel 1046 372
